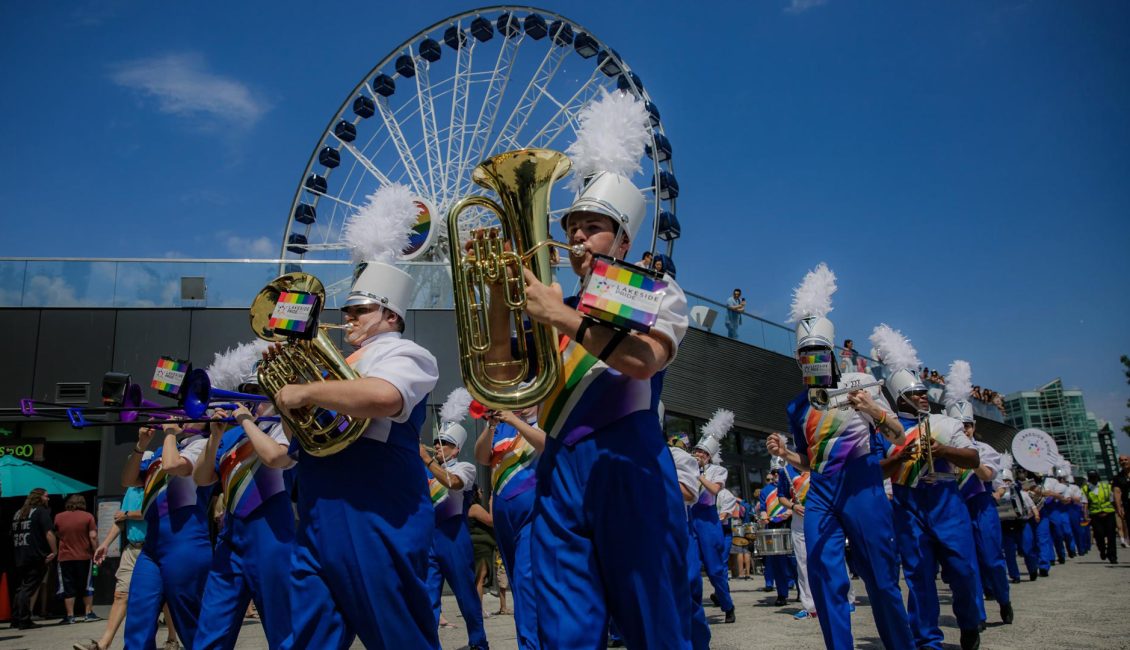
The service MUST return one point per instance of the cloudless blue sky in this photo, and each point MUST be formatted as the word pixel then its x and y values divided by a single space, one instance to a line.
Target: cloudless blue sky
pixel 964 167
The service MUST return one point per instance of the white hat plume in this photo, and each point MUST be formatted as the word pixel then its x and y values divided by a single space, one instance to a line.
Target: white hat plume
pixel 378 230
pixel 813 298
pixel 613 132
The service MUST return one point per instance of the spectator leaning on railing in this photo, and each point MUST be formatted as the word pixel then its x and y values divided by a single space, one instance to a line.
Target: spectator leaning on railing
pixel 735 306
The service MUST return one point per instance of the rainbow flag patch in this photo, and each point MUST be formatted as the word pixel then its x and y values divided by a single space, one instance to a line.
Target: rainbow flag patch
pixel 622 295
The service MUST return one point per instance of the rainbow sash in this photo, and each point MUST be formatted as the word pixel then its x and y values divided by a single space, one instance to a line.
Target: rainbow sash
pixel 510 457
pixel 825 432
pixel 156 484
pixel 237 475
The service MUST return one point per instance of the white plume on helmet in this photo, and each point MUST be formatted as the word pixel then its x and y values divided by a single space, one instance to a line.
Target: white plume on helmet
pixel 378 231
pixel 613 132
pixel 959 386
pixel 900 359
pixel 453 411
pixel 714 431
pixel 234 367
pixel 812 300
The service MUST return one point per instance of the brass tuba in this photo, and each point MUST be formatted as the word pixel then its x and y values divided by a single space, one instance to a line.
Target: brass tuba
pixel 522 180
pixel 321 432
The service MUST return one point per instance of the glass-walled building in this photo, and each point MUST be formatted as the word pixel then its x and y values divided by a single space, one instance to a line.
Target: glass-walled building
pixel 1062 414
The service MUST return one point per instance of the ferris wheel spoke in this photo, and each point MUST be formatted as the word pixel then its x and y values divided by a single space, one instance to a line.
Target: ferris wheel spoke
pixel 528 101
pixel 364 161
pixel 428 126
pixel 457 130
pixel 567 112
pixel 488 111
pixel 416 179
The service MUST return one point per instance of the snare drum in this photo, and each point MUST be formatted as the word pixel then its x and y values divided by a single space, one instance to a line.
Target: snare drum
pixel 738 531
pixel 774 541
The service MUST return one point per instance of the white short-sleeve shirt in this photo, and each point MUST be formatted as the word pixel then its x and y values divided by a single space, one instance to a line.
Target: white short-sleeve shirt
pixel 687 472
pixel 404 364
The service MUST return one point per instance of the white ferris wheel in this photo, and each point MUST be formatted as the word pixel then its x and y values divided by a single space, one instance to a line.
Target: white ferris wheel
pixel 468 87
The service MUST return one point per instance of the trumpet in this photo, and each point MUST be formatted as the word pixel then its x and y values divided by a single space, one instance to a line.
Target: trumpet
pixel 925 449
pixel 837 398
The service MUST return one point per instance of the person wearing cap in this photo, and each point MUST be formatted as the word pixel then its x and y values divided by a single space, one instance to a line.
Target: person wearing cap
pixel 452 556
pixel 1019 534
pixel 976 489
pixel 174 560
pixel 1100 503
pixel 248 460
pixel 845 495
pixel 932 525
pixel 510 446
pixel 609 525
pixel 365 521
pixel 688 471
pixel 774 515
pixel 706 526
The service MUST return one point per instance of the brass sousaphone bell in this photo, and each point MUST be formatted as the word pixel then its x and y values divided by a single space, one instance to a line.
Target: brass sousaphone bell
pixel 522 180
pixel 321 432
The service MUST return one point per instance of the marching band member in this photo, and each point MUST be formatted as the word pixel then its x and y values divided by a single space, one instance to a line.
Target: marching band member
pixel 258 528
pixel 365 521
pixel 975 486
pixel 689 473
pixel 1055 492
pixel 932 525
pixel 1019 534
pixel 729 509
pixel 1043 530
pixel 450 482
pixel 1075 516
pixel 845 494
pixel 510 447
pixel 173 564
pixel 774 515
pixel 609 533
pixel 792 488
pixel 705 525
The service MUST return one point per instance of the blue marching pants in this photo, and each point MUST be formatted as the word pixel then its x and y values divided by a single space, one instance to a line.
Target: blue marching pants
pixel 711 546
pixel 1044 542
pixel 512 530
pixel 852 503
pixel 767 570
pixel 783 567
pixel 1020 536
pixel 248 565
pixel 1075 517
pixel 1062 538
pixel 700 629
pixel 361 548
pixel 933 527
pixel 987 540
pixel 610 540
pixel 175 574
pixel 453 559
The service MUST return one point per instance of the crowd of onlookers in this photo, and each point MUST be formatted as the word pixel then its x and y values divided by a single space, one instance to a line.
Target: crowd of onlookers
pixel 935 378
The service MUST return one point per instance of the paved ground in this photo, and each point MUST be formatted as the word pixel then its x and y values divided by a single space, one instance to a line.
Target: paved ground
pixel 1089 599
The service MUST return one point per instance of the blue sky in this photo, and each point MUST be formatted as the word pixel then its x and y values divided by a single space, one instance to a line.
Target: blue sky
pixel 963 168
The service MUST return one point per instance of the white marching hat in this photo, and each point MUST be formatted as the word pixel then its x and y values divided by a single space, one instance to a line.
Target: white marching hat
pixel 613 196
pixel 900 358
pixel 713 432
pixel 962 411
pixel 378 283
pixel 453 433
pixel 812 300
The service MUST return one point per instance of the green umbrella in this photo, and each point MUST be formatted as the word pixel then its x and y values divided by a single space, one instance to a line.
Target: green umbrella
pixel 18 477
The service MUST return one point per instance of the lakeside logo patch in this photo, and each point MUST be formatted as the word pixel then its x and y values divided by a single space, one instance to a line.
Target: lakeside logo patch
pixel 169 376
pixel 622 295
pixel 816 368
pixel 294 313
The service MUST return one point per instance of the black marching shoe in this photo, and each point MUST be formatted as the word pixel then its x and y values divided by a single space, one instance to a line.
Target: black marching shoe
pixel 715 601
pixel 1016 581
pixel 1006 613
pixel 730 618
pixel 1061 560
pixel 981 627
pixel 781 601
pixel 1043 573
pixel 970 640
pixel 1032 576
